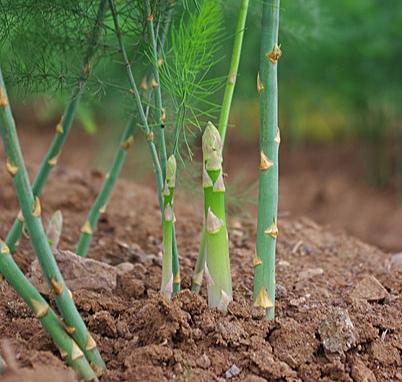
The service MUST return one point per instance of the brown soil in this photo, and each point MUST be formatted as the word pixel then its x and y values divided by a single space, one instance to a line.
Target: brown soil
pixel 339 313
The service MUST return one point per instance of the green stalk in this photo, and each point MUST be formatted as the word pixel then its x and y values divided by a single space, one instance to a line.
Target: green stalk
pixel 223 123
pixel 138 104
pixel 31 211
pixel 64 127
pixel 69 350
pixel 150 140
pixel 167 225
pixel 217 241
pixel 234 68
pixel 176 264
pixel 99 205
pixel 267 229
pixel 160 117
pixel 198 273
pixel 161 120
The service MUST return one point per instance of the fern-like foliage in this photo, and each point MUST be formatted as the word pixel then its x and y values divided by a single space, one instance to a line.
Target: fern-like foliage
pixel 194 50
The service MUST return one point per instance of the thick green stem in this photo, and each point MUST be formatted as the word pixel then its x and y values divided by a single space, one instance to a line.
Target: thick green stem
pixel 100 203
pixel 234 67
pixel 64 127
pixel 69 350
pixel 267 230
pixel 31 211
pixel 217 240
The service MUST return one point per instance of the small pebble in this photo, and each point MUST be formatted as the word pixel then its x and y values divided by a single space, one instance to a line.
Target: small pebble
pixel 204 362
pixel 233 371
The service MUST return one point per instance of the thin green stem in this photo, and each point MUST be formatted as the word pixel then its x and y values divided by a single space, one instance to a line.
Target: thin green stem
pixel 234 67
pixel 64 127
pixel 150 141
pixel 160 117
pixel 31 211
pixel 267 230
pixel 138 103
pixel 100 203
pixel 167 224
pixel 69 350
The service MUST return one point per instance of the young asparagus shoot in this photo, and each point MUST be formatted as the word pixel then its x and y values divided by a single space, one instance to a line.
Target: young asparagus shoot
pixel 267 229
pixel 100 203
pixel 167 223
pixel 150 140
pixel 64 126
pixel 69 350
pixel 31 211
pixel 217 241
pixel 160 115
pixel 223 123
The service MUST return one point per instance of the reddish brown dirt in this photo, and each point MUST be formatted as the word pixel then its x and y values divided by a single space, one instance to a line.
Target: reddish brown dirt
pixel 327 328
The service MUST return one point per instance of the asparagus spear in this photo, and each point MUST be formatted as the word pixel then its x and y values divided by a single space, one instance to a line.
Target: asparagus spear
pixel 217 241
pixel 267 229
pixel 31 211
pixel 99 205
pixel 69 350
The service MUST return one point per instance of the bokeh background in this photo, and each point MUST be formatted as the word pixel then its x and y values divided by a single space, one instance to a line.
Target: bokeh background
pixel 340 117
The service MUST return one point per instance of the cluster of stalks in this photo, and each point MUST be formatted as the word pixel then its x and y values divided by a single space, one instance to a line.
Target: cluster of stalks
pixel 69 332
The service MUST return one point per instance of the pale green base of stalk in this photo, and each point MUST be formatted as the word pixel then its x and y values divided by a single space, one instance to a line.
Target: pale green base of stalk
pixel 31 211
pixel 100 203
pixel 217 254
pixel 49 320
pixel 175 264
pixel 198 273
pixel 2 365
pixel 64 127
pixel 167 270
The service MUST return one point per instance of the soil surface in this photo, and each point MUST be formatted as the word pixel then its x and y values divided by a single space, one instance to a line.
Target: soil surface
pixel 339 308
